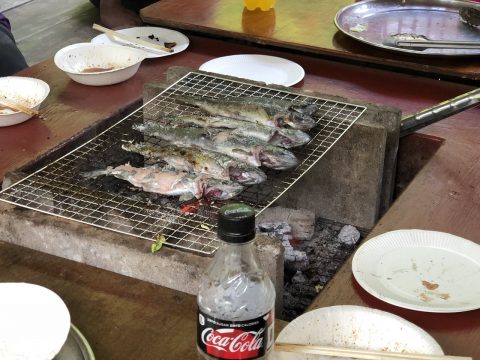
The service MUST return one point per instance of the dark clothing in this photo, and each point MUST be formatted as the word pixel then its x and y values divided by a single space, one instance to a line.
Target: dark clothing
pixel 130 4
pixel 4 21
pixel 11 59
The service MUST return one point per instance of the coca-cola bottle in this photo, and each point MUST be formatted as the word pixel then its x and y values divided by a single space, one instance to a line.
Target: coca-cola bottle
pixel 236 297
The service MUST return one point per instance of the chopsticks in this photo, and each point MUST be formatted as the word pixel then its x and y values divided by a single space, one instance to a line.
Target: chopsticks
pixel 359 354
pixel 16 106
pixel 132 40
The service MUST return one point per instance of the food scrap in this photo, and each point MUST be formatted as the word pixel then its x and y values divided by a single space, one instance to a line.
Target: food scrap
pixel 359 28
pixel 157 245
pixel 167 44
pixel 429 285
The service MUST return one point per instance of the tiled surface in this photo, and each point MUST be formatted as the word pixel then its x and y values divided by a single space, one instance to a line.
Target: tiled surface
pixel 42 27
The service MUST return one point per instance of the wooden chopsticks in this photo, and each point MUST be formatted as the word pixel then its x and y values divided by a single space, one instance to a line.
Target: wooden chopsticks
pixel 132 40
pixel 16 106
pixel 359 354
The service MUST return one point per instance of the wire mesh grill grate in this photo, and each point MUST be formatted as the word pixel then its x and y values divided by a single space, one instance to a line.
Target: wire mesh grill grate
pixel 57 190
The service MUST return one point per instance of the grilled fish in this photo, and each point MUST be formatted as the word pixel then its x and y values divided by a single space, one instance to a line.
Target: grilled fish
pixel 283 137
pixel 199 161
pixel 250 150
pixel 172 183
pixel 268 112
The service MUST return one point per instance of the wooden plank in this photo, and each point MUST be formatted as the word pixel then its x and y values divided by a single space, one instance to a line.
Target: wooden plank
pixel 48 31
pixel 301 25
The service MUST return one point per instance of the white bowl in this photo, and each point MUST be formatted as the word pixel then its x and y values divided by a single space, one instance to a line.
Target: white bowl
pixel 25 91
pixel 355 327
pixel 122 63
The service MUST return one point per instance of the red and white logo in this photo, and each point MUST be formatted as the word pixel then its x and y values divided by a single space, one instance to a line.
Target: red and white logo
pixel 232 343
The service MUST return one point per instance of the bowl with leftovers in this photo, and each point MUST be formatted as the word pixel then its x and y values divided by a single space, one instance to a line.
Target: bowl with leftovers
pixel 99 64
pixel 20 98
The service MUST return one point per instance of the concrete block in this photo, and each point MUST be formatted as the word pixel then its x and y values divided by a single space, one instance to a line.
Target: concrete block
pixel 123 254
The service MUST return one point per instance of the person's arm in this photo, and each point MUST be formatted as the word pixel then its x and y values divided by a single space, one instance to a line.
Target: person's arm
pixel 115 16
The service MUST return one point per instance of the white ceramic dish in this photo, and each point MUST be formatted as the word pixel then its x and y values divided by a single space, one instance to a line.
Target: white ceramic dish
pixel 355 327
pixel 420 270
pixel 35 322
pixel 264 68
pixel 147 33
pixel 25 91
pixel 113 63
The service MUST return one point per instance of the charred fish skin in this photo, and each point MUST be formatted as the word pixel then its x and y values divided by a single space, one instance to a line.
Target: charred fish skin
pixel 251 150
pixel 269 112
pixel 151 179
pixel 283 137
pixel 184 159
pixel 199 161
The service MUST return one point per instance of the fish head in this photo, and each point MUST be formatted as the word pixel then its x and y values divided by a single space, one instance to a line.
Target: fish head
pixel 300 121
pixel 276 158
pixel 249 176
pixel 216 189
pixel 288 138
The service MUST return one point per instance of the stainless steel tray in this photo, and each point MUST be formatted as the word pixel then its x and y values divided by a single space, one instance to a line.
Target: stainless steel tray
pixel 372 21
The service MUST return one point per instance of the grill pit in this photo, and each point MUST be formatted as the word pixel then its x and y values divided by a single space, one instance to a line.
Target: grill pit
pixel 111 204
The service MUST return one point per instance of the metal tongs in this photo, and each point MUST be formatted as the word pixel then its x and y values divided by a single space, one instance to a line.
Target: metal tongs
pixel 421 42
pixel 438 112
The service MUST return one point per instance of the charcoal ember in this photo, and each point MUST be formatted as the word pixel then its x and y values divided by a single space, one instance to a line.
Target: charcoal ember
pixel 301 221
pixel 299 278
pixel 325 255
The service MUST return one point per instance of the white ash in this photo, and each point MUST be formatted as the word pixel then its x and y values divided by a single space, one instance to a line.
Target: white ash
pixel 349 235
pixel 301 221
pixel 280 230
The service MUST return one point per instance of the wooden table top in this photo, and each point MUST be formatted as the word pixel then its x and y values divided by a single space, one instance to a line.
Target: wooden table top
pixel 304 25
pixel 443 196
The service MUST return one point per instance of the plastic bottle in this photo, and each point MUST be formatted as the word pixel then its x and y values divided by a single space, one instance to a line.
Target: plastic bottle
pixel 236 297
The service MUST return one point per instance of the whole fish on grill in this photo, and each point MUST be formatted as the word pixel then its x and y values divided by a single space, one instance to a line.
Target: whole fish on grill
pixel 248 149
pixel 173 183
pixel 283 137
pixel 200 161
pixel 265 111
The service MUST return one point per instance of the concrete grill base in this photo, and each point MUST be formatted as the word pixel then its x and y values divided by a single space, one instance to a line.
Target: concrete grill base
pixel 120 253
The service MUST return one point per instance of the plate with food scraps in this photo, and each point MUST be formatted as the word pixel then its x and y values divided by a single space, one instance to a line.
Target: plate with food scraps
pixel 380 22
pixel 355 327
pixel 264 68
pixel 420 270
pixel 156 35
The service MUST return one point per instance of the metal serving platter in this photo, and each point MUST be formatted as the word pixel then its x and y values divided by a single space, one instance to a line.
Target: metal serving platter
pixel 372 21
pixel 76 347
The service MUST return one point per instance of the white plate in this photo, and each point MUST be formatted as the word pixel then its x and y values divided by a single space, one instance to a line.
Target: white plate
pixel 163 35
pixel 420 270
pixel 34 322
pixel 356 327
pixel 264 68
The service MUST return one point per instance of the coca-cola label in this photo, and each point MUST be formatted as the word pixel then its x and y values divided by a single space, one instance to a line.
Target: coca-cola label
pixel 223 339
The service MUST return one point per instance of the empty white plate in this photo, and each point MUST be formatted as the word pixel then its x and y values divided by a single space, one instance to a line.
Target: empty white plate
pixel 34 322
pixel 420 270
pixel 264 68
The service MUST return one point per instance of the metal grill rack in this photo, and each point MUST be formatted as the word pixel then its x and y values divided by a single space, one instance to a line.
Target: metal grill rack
pixel 56 189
